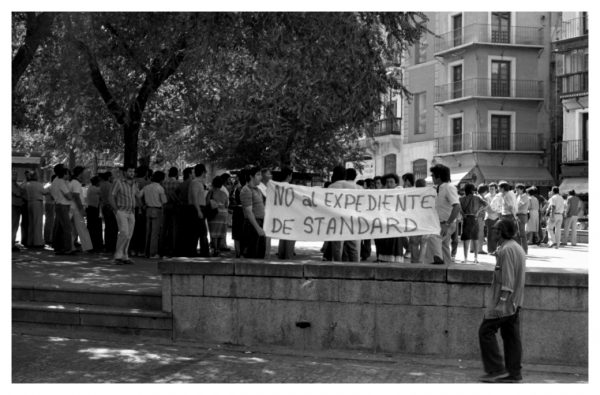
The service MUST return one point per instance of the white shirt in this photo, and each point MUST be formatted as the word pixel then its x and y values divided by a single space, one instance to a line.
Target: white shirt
pixel 559 204
pixel 75 187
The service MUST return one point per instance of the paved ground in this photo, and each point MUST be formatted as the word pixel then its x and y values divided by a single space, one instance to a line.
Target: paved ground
pixel 41 355
pixel 96 271
pixel 44 356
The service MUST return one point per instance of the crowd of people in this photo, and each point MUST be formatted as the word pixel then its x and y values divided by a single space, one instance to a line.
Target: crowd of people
pixel 140 212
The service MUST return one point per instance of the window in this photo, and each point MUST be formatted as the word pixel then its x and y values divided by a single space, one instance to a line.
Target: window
pixel 420 168
pixel 457 134
pixel 457 81
pixel 501 132
pixel 389 163
pixel 501 27
pixel 420 112
pixel 500 78
pixel 574 61
pixel 457 29
pixel 421 49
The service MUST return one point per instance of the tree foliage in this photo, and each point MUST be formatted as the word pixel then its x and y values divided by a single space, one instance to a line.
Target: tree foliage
pixel 229 88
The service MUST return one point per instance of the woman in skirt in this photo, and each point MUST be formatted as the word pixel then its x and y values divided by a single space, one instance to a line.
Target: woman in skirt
pixel 217 225
pixel 470 206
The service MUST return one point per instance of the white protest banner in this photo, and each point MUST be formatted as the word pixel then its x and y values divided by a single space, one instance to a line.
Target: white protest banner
pixel 302 213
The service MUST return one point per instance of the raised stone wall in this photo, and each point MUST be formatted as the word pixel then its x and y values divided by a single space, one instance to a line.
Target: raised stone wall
pixel 421 309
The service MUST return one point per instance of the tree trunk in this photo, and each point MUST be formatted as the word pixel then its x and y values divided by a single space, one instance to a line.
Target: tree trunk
pixel 130 141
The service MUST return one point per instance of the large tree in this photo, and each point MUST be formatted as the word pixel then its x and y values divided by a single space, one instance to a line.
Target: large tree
pixel 233 88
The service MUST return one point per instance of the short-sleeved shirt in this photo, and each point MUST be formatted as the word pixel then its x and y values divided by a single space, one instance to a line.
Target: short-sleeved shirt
pixel 523 204
pixel 559 204
pixel 470 204
pixel 447 197
pixel 154 195
pixel 508 203
pixel 509 275
pixel 124 194
pixel 253 197
pixel 58 189
pixel 197 191
pixel 93 196
pixel 76 188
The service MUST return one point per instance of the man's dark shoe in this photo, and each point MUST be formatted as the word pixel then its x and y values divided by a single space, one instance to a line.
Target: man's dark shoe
pixel 509 379
pixel 492 377
pixel 437 260
pixel 127 261
pixel 118 262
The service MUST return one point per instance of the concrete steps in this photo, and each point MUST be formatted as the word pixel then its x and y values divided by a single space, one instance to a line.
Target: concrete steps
pixel 122 312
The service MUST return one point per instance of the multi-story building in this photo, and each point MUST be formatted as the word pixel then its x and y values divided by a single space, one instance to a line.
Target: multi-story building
pixel 494 95
pixel 570 50
pixel 491 96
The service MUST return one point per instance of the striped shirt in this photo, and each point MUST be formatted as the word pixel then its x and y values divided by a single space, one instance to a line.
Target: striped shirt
pixel 124 194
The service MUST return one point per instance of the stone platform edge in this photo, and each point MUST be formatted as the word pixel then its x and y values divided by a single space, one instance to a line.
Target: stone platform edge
pixel 459 273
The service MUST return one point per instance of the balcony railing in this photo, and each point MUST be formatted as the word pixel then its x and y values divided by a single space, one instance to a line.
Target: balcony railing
pixel 573 83
pixel 575 27
pixel 486 87
pixel 574 151
pixel 485 141
pixel 479 33
pixel 386 126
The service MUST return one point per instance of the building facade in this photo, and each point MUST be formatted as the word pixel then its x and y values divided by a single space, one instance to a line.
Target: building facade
pixel 570 60
pixel 495 96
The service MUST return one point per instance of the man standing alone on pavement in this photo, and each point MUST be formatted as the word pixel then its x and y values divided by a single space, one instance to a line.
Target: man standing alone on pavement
pixel 123 200
pixel 571 210
pixel 502 309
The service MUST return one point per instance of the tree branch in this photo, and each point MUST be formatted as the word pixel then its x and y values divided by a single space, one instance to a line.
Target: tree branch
pixel 38 28
pixel 126 47
pixel 156 76
pixel 99 82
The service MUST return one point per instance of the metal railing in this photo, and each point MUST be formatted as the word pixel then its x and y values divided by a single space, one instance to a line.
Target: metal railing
pixel 575 27
pixel 485 141
pixel 386 126
pixel 574 151
pixel 573 83
pixel 480 33
pixel 487 87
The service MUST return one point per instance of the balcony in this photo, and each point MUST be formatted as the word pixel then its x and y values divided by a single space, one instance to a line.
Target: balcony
pixel 576 27
pixel 484 141
pixel 486 87
pixel 574 84
pixel 386 126
pixel 574 151
pixel 487 34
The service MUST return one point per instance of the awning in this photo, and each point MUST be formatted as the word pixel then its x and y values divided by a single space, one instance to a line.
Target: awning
pixel 455 177
pixel 537 176
pixel 579 184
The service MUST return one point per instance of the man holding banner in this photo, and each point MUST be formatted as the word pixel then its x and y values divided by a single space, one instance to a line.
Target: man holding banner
pixel 447 206
pixel 348 250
